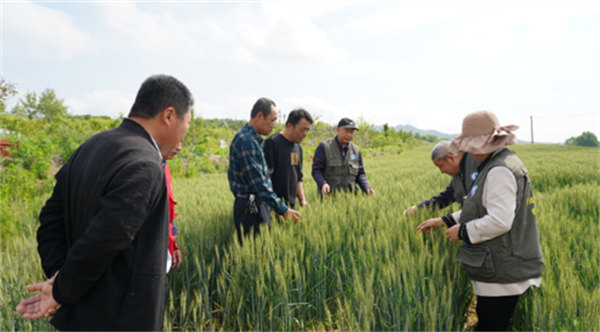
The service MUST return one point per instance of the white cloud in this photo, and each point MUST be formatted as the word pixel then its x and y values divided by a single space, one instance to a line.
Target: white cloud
pixel 207 110
pixel 392 113
pixel 412 14
pixel 497 32
pixel 228 107
pixel 484 28
pixel 312 8
pixel 112 103
pixel 103 102
pixel 277 34
pixel 239 107
pixel 560 128
pixel 151 32
pixel 32 30
pixel 463 87
pixel 220 33
pixel 522 68
pixel 319 108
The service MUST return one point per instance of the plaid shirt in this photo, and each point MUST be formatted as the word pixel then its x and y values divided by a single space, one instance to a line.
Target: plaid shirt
pixel 248 172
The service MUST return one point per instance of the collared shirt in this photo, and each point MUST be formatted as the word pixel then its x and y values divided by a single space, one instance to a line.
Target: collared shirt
pixel 157 148
pixel 248 172
pixel 172 227
pixel 320 161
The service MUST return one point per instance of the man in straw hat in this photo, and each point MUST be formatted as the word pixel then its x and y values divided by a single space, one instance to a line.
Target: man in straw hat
pixel 501 249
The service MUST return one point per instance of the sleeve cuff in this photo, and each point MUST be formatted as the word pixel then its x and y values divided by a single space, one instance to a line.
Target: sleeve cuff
pixel 281 208
pixel 56 294
pixel 449 220
pixel 463 234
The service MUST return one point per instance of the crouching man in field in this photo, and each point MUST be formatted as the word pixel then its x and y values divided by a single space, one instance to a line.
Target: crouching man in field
pixel 463 169
pixel 104 230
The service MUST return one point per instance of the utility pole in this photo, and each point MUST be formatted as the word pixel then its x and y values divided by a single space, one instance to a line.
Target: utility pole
pixel 531 121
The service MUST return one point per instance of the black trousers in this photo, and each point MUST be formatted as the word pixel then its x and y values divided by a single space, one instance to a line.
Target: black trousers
pixel 247 222
pixel 494 312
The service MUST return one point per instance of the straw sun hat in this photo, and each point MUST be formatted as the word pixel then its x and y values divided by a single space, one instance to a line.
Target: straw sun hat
pixel 482 134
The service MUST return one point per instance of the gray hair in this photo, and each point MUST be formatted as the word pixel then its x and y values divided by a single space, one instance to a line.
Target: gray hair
pixel 440 151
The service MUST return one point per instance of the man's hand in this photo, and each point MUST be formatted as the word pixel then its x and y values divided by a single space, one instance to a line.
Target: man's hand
pixel 176 259
pixel 430 224
pixel 410 210
pixel 452 233
pixel 325 189
pixel 41 304
pixel 291 213
pixel 304 203
pixel 370 192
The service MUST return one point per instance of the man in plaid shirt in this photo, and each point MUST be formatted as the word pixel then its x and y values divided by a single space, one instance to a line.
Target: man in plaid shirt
pixel 248 173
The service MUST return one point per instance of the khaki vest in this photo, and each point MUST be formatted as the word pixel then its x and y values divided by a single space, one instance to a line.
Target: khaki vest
pixel 340 173
pixel 511 257
pixel 468 171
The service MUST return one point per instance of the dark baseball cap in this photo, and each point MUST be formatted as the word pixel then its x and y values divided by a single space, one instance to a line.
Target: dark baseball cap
pixel 347 123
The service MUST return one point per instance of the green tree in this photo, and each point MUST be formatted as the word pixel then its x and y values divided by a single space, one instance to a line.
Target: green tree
pixel 7 90
pixel 587 138
pixel 46 106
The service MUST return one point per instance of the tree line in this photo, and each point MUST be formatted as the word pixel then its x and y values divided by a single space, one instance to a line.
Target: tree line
pixel 40 135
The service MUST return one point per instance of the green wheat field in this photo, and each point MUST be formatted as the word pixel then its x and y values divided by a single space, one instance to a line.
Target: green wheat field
pixel 354 262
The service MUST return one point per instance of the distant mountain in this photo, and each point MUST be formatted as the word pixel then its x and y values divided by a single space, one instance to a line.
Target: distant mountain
pixel 440 135
pixel 422 132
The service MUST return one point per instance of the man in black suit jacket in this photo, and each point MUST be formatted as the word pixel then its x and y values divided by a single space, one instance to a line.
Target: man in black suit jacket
pixel 103 233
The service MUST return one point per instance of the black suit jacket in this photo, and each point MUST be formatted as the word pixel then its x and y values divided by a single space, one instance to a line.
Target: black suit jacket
pixel 105 228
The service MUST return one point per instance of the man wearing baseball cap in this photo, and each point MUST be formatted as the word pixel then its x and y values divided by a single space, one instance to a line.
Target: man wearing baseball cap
pixel 337 163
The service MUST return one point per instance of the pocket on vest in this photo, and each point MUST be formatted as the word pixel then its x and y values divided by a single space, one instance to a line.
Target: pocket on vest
pixel 477 261
pixel 333 169
pixel 353 169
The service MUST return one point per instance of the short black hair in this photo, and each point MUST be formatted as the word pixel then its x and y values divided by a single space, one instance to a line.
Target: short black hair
pixel 159 92
pixel 262 105
pixel 298 114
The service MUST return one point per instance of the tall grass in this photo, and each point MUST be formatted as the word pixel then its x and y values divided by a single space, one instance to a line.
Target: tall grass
pixel 354 262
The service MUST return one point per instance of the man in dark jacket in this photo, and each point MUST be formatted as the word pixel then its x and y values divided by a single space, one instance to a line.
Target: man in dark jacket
pixel 337 163
pixel 103 233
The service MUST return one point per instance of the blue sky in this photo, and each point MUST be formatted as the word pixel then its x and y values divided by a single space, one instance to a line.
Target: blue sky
pixel 425 63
